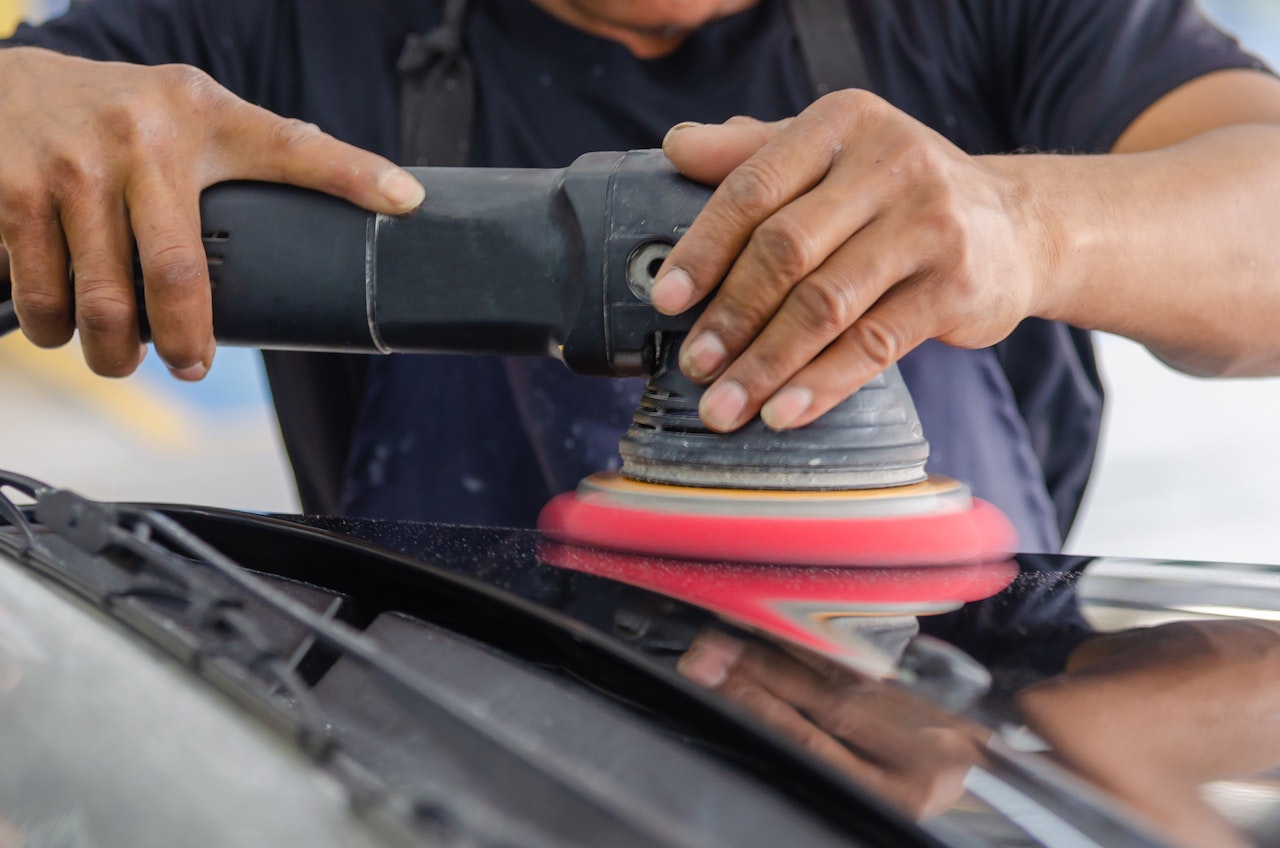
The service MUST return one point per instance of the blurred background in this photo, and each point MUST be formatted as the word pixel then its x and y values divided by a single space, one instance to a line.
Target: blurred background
pixel 1188 469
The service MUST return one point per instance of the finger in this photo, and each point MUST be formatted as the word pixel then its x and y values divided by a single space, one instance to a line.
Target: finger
pixel 259 145
pixel 714 658
pixel 710 658
pixel 911 790
pixel 850 723
pixel 815 311
pixel 788 246
pixel 788 165
pixel 175 273
pixel 890 329
pixel 782 716
pixel 768 685
pixel 709 152
pixel 101 254
pixel 38 275
pixel 875 722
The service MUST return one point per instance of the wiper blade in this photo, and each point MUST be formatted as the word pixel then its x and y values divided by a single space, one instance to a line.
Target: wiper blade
pixel 163 563
pixel 156 574
pixel 9 511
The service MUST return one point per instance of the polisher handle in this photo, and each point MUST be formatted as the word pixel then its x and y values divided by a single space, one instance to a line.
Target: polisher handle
pixel 515 261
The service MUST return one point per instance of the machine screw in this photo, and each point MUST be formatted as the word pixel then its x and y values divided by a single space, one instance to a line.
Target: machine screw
pixel 643 265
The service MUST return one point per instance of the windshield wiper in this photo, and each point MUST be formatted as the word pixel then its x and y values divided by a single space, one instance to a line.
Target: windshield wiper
pixel 134 561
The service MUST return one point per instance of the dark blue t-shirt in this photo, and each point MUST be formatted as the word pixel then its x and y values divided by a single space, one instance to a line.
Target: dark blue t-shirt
pixel 488 440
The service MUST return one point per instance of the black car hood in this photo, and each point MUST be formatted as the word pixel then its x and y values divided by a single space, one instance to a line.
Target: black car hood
pixel 928 705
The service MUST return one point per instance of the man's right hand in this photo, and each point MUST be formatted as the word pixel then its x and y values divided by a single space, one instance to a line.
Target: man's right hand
pixel 97 157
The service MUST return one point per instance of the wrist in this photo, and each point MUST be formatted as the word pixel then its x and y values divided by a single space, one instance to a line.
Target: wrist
pixel 1050 240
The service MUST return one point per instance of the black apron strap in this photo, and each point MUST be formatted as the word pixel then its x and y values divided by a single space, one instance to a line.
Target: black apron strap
pixel 437 93
pixel 318 395
pixel 829 45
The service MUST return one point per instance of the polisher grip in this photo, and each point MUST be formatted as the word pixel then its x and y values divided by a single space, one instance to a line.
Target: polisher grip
pixel 513 261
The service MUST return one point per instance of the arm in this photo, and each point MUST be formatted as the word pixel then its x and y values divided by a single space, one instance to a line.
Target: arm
pixel 1152 714
pixel 1175 246
pixel 850 234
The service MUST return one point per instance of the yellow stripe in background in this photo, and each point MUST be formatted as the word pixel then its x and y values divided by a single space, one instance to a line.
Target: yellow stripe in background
pixel 129 406
pixel 11 13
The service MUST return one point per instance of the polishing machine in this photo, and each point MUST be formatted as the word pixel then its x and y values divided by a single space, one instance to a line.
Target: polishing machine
pixel 561 262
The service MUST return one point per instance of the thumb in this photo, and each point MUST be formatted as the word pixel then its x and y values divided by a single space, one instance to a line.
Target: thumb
pixel 709 152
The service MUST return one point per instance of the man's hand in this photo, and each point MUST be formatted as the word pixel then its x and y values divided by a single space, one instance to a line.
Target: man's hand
pixel 95 157
pixel 849 234
pixel 844 238
pixel 911 754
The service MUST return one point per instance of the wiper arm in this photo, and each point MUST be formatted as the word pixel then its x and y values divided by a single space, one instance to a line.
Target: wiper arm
pixel 159 575
pixel 9 511
pixel 164 561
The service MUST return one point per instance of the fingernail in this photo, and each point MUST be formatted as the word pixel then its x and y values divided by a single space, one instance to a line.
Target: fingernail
pixel 722 405
pixel 702 356
pixel 683 125
pixel 710 659
pixel 197 372
pixel 785 407
pixel 672 292
pixel 401 190
pixel 192 373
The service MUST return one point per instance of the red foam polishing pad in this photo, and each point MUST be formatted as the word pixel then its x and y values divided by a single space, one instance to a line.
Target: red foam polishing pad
pixel 935 522
pixel 796 604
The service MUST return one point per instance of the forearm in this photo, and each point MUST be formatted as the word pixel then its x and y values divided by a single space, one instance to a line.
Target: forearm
pixel 1177 248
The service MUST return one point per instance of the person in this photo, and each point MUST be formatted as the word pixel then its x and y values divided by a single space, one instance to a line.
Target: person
pixel 868 226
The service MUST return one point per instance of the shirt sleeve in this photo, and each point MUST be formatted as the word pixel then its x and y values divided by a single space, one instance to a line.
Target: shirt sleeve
pixel 1079 72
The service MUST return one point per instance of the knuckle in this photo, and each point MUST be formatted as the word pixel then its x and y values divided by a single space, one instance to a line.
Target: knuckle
pixel 40 307
pixel 945 230
pixel 290 134
pixel 787 247
pixel 827 304
pixel 849 109
pixel 25 208
pixel 76 174
pixel 851 101
pixel 858 98
pixel 762 374
pixel 104 309
pixel 911 158
pixel 881 342
pixel 45 318
pixel 188 84
pixel 755 187
pixel 173 266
